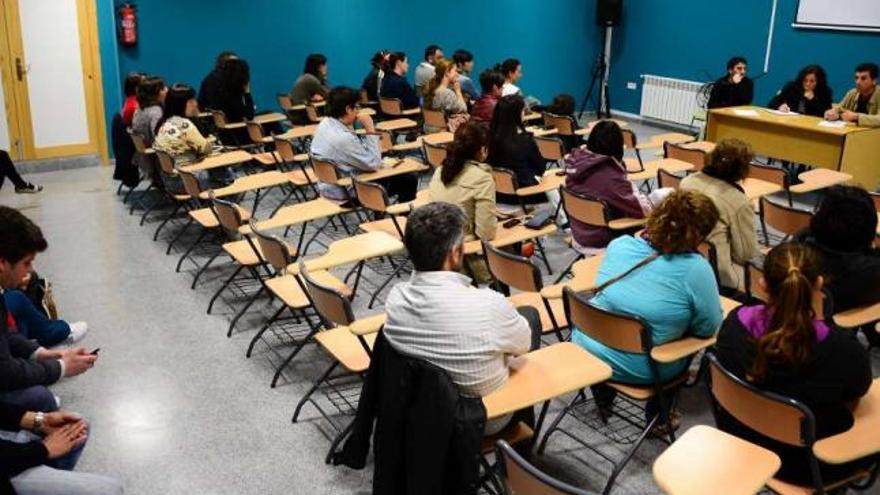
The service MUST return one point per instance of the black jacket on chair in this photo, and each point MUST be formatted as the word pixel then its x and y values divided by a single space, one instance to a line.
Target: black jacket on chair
pixel 427 438
pixel 123 150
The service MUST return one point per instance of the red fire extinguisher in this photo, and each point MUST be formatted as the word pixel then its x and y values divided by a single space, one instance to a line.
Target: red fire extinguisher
pixel 127 25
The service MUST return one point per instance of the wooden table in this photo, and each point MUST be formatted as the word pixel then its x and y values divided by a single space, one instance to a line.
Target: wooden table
pixel 219 160
pixel 801 139
pixel 396 124
pixel 297 214
pixel 862 440
pixel 250 183
pixel 819 178
pixel 544 374
pixel 705 459
pixel 268 118
pixel 394 167
pixel 857 317
pixel 541 132
pixel 704 146
pixel 671 165
pixel 350 250
pixel 755 188
pixel 438 138
pixel 657 140
pixel 506 237
pixel 532 116
pixel 299 132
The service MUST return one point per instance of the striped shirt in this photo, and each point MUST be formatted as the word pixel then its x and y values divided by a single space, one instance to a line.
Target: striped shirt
pixel 468 332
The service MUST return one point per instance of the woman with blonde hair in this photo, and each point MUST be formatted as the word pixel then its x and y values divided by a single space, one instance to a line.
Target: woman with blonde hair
pixel 787 347
pixel 443 93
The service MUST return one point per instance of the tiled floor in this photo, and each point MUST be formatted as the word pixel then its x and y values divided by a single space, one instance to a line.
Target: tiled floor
pixel 175 406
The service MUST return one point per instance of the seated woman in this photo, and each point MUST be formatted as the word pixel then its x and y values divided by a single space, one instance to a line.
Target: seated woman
pixel 563 105
pixel 7 169
pixel 373 82
pixel 785 347
pixel 443 93
pixel 809 94
pixel 395 85
pixel 130 105
pixel 511 69
pixel 466 181
pixel 312 85
pixel 151 93
pixel 32 322
pixel 734 237
pixel 234 99
pixel 598 171
pixel 674 292
pixel 513 148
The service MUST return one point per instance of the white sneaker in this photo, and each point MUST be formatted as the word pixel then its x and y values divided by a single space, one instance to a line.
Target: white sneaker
pixel 78 330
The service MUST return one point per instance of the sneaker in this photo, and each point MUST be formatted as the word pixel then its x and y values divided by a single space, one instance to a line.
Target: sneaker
pixel 78 330
pixel 29 189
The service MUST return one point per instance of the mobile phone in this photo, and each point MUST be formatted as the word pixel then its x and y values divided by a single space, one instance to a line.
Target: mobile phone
pixel 95 352
pixel 561 172
pixel 513 222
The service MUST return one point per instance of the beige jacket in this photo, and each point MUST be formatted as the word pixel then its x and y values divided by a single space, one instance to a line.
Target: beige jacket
pixel 734 236
pixel 474 191
pixel 849 102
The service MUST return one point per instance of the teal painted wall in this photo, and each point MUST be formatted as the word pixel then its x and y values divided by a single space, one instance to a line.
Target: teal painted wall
pixel 692 40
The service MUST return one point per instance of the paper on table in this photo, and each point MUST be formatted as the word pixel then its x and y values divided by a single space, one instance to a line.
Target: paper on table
pixel 746 113
pixel 778 112
pixel 828 123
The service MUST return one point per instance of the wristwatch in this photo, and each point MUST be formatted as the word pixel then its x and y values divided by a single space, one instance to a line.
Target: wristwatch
pixel 38 422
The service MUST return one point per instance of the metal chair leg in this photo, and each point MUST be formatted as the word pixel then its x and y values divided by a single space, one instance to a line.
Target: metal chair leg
pixel 312 390
pixel 178 236
pixel 262 330
pixel 384 284
pixel 225 284
pixel 544 256
pixel 244 310
pixel 618 467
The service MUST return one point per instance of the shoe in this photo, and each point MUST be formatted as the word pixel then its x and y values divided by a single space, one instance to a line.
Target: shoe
pixel 78 330
pixel 29 189
pixel 664 429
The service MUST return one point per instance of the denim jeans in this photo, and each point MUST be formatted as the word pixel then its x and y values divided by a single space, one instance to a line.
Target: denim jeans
pixel 33 324
pixel 34 398
pixel 57 476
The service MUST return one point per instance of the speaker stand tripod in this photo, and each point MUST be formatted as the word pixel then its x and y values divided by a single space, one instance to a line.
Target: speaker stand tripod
pixel 601 72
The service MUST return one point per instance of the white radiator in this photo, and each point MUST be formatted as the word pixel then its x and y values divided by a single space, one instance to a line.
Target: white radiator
pixel 670 100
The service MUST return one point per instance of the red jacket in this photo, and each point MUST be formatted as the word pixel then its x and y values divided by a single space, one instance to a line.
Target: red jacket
pixel 604 178
pixel 484 107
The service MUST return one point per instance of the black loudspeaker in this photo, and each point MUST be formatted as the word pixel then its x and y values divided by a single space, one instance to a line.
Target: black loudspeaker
pixel 608 12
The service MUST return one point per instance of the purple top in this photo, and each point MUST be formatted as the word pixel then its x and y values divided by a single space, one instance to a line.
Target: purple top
pixel 756 318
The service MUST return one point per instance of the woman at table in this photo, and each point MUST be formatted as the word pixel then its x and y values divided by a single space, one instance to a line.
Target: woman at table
pixel 443 93
pixel 673 292
pixel 598 171
pixel 373 82
pixel 465 180
pixel 734 236
pixel 513 148
pixel 809 94
pixel 785 347
pixel 395 85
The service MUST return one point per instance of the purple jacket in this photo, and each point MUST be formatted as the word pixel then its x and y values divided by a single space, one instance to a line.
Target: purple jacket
pixel 604 178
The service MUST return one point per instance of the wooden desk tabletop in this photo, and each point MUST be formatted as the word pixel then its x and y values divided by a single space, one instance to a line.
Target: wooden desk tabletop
pixel 819 178
pixel 297 214
pixel 438 138
pixel 862 440
pixel 352 250
pixel 394 167
pixel 857 317
pixel 506 237
pixel 250 183
pixel 704 459
pixel 268 118
pixel 671 165
pixel 706 146
pixel 544 374
pixel 657 140
pixel 755 188
pixel 803 122
pixel 302 106
pixel 218 161
pixel 396 124
pixel 549 182
pixel 532 116
pixel 541 132
pixel 299 132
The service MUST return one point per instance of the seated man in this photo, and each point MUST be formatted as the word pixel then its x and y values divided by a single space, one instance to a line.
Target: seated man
pixel 25 367
pixel 437 316
pixel 336 141
pixel 39 451
pixel 862 103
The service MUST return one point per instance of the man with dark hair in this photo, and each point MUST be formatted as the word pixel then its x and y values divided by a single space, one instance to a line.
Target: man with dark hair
pixel 25 367
pixel 862 103
pixel 210 87
pixel 425 70
pixel 437 316
pixel 336 141
pixel 843 230
pixel 734 88
pixel 464 60
pixel 491 82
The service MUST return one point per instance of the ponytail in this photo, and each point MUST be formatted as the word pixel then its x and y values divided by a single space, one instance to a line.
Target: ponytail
pixel 470 138
pixel 391 61
pixel 791 271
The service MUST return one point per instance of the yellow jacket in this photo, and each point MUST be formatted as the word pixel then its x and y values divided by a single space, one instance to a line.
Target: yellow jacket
pixel 474 191
pixel 849 102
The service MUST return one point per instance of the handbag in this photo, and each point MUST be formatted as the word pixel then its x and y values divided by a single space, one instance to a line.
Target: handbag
pixel 39 291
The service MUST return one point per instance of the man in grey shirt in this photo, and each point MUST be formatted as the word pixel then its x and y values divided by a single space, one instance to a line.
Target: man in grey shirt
pixel 438 316
pixel 336 141
pixel 425 70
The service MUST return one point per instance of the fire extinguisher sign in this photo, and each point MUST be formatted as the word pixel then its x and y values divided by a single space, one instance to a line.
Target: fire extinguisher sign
pixel 127 24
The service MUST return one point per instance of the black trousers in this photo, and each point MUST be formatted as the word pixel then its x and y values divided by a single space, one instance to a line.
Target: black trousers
pixel 403 186
pixel 7 169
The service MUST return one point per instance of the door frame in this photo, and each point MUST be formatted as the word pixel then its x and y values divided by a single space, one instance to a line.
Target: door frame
pixel 20 118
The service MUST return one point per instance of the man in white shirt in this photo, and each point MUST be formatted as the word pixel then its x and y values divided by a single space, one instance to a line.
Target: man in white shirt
pixel 425 70
pixel 438 316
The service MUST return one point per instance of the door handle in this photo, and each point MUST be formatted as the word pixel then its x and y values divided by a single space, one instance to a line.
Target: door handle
pixel 19 69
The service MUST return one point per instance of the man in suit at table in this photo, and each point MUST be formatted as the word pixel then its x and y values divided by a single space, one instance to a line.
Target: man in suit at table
pixel 862 103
